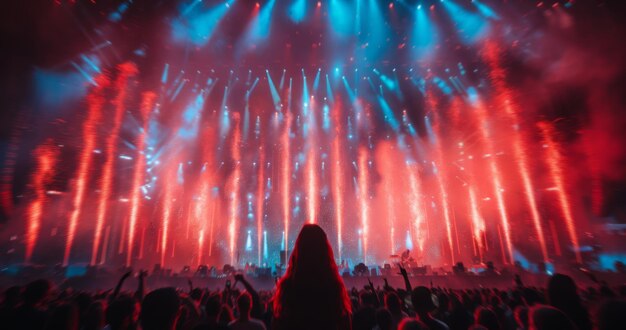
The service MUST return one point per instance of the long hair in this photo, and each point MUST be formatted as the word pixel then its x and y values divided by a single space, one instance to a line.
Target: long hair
pixel 311 294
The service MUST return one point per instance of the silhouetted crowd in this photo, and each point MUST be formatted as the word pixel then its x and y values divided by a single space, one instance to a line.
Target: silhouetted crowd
pixel 311 295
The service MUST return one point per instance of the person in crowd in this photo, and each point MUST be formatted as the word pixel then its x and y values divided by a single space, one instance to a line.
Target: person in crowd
pixel 486 318
pixel 563 295
pixel 311 295
pixel 611 315
pixel 244 321
pixel 32 313
pixel 422 301
pixel 412 324
pixel 544 317
pixel 160 310
pixel 122 313
pixel 394 305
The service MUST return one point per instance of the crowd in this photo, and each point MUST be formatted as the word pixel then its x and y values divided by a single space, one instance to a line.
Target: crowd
pixel 312 295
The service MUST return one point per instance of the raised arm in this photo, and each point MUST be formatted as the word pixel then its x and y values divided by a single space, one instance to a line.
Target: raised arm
pixel 257 310
pixel 141 285
pixel 405 275
pixel 116 292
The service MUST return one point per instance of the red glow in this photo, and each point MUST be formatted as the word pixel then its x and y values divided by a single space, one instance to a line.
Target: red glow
pixel 126 71
pixel 46 156
pixel 260 202
pixel 555 164
pixel 138 176
pixel 364 198
pixel 95 101
pixel 233 189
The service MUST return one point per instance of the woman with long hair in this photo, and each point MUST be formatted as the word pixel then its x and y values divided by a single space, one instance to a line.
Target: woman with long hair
pixel 311 295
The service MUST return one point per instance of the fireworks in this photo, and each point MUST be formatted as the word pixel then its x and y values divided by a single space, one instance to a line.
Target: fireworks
pixel 416 137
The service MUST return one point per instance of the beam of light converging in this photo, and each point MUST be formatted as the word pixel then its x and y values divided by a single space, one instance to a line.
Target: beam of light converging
pixel 260 200
pixel 286 177
pixel 95 102
pixel 385 161
pixel 147 104
pixel 424 34
pixel 197 26
pixel 439 166
pixel 477 223
pixel 495 173
pixel 168 205
pixel 364 199
pixel 311 185
pixel 311 167
pixel 203 211
pixel 471 26
pixel 416 205
pixel 233 190
pixel 126 71
pixel 555 166
pixel 46 157
pixel 338 189
pixel 505 101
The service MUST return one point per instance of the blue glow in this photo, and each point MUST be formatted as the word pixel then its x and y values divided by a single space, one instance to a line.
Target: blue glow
pixel 225 125
pixel 329 91
pixel 607 261
pixel 388 113
pixel 443 86
pixel 94 67
pixel 116 16
pixel 388 82
pixel 486 11
pixel 249 241
pixel 282 242
pixel 425 35
pixel 340 16
pixel 326 118
pixel 75 270
pixel 377 31
pixel 273 91
pixel 472 95
pixel 471 27
pixel 180 176
pixel 178 89
pixel 316 82
pixel 265 249
pixel 259 28
pixel 191 117
pixel 53 89
pixel 349 89
pixel 197 27
pixel 165 72
pixel 297 11
pixel 408 242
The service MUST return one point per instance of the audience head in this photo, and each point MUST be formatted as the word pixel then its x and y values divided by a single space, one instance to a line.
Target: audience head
pixel 244 304
pixel 610 315
pixel 160 309
pixel 384 320
pixel 412 324
pixel 487 318
pixel 562 291
pixel 122 313
pixel 36 292
pixel 63 317
pixel 521 317
pixel 422 300
pixel 544 317
pixel 393 303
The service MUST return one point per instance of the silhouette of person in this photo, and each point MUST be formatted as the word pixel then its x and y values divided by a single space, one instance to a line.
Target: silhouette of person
pixel 311 294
